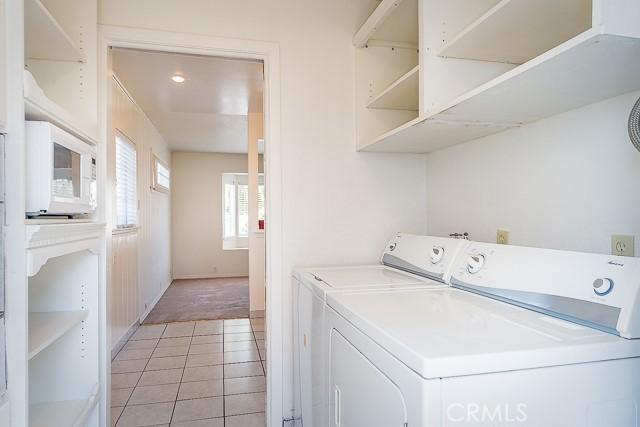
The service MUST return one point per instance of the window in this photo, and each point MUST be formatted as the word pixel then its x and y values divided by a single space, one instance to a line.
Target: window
pixel 160 175
pixel 126 183
pixel 235 209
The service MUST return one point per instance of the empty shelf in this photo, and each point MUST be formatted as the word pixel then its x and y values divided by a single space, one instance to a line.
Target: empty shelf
pixel 71 413
pixel 516 31
pixel 47 327
pixel 45 38
pixel 38 107
pixel 392 21
pixel 588 68
pixel 401 94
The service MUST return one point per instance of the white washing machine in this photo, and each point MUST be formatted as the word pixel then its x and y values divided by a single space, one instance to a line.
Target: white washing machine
pixel 525 336
pixel 408 262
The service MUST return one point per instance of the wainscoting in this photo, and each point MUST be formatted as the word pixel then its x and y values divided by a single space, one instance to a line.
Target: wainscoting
pixel 124 284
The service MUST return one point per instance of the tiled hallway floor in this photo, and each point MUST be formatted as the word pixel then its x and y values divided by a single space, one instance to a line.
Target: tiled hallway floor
pixel 208 373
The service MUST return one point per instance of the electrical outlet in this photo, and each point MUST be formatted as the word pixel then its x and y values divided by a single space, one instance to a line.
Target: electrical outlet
pixel 215 269
pixel 502 237
pixel 622 245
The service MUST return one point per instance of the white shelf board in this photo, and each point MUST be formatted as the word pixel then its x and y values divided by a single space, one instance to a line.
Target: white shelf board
pixel 71 413
pixel 47 327
pixel 45 38
pixel 586 69
pixel 38 107
pixel 392 21
pixel 401 94
pixel 515 31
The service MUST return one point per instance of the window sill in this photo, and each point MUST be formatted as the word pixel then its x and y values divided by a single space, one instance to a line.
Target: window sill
pixel 124 230
pixel 235 249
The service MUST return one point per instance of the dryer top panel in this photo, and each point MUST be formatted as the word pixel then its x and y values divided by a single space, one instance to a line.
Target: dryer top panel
pixel 444 332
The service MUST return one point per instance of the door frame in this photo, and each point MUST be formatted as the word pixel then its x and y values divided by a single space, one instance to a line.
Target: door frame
pixel 269 53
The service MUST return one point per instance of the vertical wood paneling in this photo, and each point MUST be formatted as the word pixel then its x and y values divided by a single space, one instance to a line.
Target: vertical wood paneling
pixel 124 283
pixel 140 258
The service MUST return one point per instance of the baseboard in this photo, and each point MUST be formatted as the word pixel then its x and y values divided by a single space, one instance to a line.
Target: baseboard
pixel 155 301
pixel 122 341
pixel 209 276
pixel 256 314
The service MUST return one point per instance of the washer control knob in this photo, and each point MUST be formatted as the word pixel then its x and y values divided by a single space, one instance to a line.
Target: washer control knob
pixel 437 253
pixel 603 286
pixel 475 263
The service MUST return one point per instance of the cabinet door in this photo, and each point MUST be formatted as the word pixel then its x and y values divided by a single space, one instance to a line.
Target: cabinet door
pixel 362 395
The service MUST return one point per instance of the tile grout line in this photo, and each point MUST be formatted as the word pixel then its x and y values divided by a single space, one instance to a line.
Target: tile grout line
pixel 128 403
pixel 142 373
pixel 175 403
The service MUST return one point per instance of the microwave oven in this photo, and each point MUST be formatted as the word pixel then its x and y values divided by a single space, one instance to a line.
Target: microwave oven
pixel 61 172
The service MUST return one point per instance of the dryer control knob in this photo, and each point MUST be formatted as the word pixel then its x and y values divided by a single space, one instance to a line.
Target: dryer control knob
pixel 602 287
pixel 475 263
pixel 437 253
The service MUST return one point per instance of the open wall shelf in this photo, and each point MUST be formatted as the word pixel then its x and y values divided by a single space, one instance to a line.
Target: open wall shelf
pixel 515 31
pixel 72 413
pixel 45 328
pixel 488 66
pixel 401 94
pixel 44 36
pixel 38 106
pixel 393 22
pixel 588 68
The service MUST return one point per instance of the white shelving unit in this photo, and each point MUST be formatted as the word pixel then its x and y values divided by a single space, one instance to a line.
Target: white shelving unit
pixel 45 38
pixel 64 346
pixel 47 327
pixel 581 63
pixel 38 107
pixel 515 31
pixel 72 413
pixel 392 23
pixel 401 94
pixel 387 69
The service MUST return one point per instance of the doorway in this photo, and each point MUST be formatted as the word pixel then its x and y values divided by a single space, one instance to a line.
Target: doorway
pixel 173 43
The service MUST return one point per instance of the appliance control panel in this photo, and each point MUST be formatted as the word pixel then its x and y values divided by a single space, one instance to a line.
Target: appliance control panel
pixel 592 288
pixel 427 256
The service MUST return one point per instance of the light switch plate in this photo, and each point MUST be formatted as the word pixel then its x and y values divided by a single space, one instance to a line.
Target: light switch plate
pixel 622 245
pixel 502 237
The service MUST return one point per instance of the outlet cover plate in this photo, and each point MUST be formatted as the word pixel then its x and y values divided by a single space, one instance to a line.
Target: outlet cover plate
pixel 622 245
pixel 502 237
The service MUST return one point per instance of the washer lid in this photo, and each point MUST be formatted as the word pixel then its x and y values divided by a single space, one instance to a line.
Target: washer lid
pixel 444 332
pixel 354 277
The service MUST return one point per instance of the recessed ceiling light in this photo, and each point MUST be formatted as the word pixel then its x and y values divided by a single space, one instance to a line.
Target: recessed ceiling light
pixel 178 78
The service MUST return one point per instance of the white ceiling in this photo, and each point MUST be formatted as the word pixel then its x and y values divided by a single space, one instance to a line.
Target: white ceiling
pixel 208 112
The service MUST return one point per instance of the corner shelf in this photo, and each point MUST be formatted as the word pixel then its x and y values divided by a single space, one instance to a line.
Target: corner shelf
pixel 44 36
pixel 588 68
pixel 401 94
pixel 514 32
pixel 72 413
pixel 38 107
pixel 45 328
pixel 392 22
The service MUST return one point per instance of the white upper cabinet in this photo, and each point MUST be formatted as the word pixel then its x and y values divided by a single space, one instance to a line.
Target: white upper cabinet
pixel 61 64
pixel 486 66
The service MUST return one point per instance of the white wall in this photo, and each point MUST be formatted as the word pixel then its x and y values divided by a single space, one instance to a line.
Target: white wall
pixel 257 242
pixel 340 206
pixel 197 216
pixel 153 236
pixel 566 182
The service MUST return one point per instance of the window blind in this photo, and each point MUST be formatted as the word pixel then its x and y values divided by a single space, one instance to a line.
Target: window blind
pixel 126 183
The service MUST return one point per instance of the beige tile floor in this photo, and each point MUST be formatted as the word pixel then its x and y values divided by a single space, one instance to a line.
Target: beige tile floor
pixel 208 373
